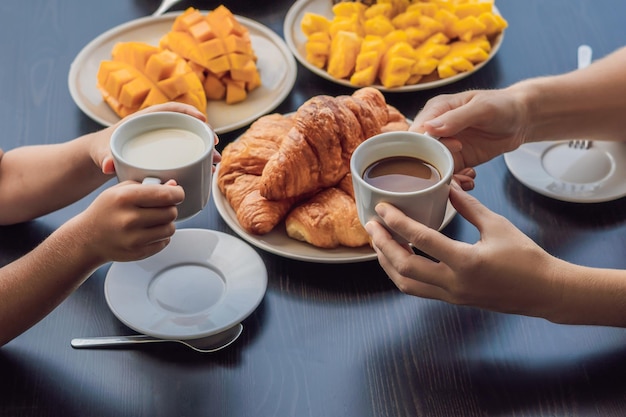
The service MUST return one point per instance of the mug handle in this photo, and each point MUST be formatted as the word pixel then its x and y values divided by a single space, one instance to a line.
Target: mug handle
pixel 151 180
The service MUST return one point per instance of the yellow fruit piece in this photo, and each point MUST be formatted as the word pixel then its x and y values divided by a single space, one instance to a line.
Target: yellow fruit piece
pixel 378 25
pixel 407 19
pixel 313 23
pixel 472 9
pixel 379 9
pixel 344 49
pixel 453 65
pixel 218 44
pixel 468 27
pixel 364 77
pixel 463 55
pixel 396 65
pixel 424 29
pixel 215 89
pixel 345 24
pixel 349 8
pixel 235 91
pixel 425 9
pixel 140 75
pixel 494 23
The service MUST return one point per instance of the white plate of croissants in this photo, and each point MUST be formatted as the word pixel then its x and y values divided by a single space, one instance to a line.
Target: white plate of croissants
pixel 284 185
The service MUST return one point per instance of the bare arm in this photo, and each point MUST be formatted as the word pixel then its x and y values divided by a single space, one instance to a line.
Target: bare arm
pixel 126 222
pixel 36 180
pixel 503 271
pixel 587 103
pixel 479 125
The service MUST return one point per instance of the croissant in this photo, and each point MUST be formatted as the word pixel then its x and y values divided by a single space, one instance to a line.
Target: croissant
pixel 250 153
pixel 322 215
pixel 327 220
pixel 238 177
pixel 316 152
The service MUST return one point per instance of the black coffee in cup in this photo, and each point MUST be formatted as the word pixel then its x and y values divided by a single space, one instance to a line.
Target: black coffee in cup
pixel 401 174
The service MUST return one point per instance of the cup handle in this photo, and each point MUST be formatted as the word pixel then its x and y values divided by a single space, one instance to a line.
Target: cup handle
pixel 151 180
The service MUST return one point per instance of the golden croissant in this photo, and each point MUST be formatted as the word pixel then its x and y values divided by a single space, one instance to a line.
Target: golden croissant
pixel 307 154
pixel 328 219
pixel 316 152
pixel 238 177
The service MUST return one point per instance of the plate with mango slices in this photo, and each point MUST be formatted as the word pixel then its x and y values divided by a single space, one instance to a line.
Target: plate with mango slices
pixel 140 63
pixel 394 45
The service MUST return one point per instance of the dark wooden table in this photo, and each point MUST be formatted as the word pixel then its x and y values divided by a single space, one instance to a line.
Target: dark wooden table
pixel 327 340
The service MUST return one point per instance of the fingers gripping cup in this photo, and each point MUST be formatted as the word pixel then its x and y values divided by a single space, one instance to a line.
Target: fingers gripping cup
pixel 157 147
pixel 411 171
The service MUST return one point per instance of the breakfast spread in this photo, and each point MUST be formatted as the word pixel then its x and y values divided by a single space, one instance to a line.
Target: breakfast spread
pixel 203 57
pixel 401 42
pixel 295 168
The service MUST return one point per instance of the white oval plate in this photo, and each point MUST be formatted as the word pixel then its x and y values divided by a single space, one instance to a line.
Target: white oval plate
pixel 553 169
pixel 203 283
pixel 296 40
pixel 276 65
pixel 279 243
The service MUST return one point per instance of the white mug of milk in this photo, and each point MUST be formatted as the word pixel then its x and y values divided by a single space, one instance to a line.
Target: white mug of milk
pixel 157 147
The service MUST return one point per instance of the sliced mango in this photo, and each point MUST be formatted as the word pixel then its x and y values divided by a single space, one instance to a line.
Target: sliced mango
pixel 140 75
pixel 219 44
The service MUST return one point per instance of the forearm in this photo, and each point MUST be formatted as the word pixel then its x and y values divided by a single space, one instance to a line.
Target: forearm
pixel 587 103
pixel 35 284
pixel 590 296
pixel 37 180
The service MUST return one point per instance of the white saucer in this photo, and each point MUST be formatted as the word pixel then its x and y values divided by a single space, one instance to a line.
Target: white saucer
pixel 553 169
pixel 279 243
pixel 202 283
pixel 296 40
pixel 276 65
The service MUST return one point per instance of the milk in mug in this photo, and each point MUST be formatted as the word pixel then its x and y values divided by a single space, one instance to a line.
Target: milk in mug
pixel 163 149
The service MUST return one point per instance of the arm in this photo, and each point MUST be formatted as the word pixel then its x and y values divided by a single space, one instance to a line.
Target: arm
pixel 504 271
pixel 36 180
pixel 482 124
pixel 126 222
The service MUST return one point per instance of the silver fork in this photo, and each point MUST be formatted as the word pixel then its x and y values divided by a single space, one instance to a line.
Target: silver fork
pixel 584 59
pixel 580 143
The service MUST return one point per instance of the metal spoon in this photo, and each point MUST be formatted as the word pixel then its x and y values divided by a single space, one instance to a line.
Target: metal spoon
pixel 164 6
pixel 208 344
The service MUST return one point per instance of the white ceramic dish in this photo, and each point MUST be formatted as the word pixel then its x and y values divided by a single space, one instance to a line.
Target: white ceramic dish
pixel 296 40
pixel 279 243
pixel 553 169
pixel 203 283
pixel 276 65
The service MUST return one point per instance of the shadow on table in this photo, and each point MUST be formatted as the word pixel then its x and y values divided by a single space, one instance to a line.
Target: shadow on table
pixel 468 362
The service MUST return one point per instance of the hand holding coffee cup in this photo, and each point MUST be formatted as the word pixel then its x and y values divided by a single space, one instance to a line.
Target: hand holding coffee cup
pixel 411 171
pixel 156 147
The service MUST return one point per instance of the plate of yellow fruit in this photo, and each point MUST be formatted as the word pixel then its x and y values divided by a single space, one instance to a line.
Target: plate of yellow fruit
pixel 231 67
pixel 394 45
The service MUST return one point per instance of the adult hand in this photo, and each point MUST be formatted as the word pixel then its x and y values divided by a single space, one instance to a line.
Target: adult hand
pixel 475 125
pixel 504 271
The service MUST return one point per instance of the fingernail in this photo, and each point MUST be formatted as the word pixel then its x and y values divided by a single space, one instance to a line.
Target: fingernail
pixel 435 123
pixel 368 227
pixel 381 209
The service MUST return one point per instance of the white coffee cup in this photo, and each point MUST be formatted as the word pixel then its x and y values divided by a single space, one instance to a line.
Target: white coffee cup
pixel 156 147
pixel 427 205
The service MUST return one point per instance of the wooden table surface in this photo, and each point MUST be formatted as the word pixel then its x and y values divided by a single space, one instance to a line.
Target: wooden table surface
pixel 328 339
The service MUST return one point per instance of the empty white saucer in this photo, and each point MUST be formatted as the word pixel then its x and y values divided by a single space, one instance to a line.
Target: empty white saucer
pixel 555 170
pixel 203 283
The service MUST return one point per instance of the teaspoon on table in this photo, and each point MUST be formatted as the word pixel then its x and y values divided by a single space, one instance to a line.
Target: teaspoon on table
pixel 208 344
